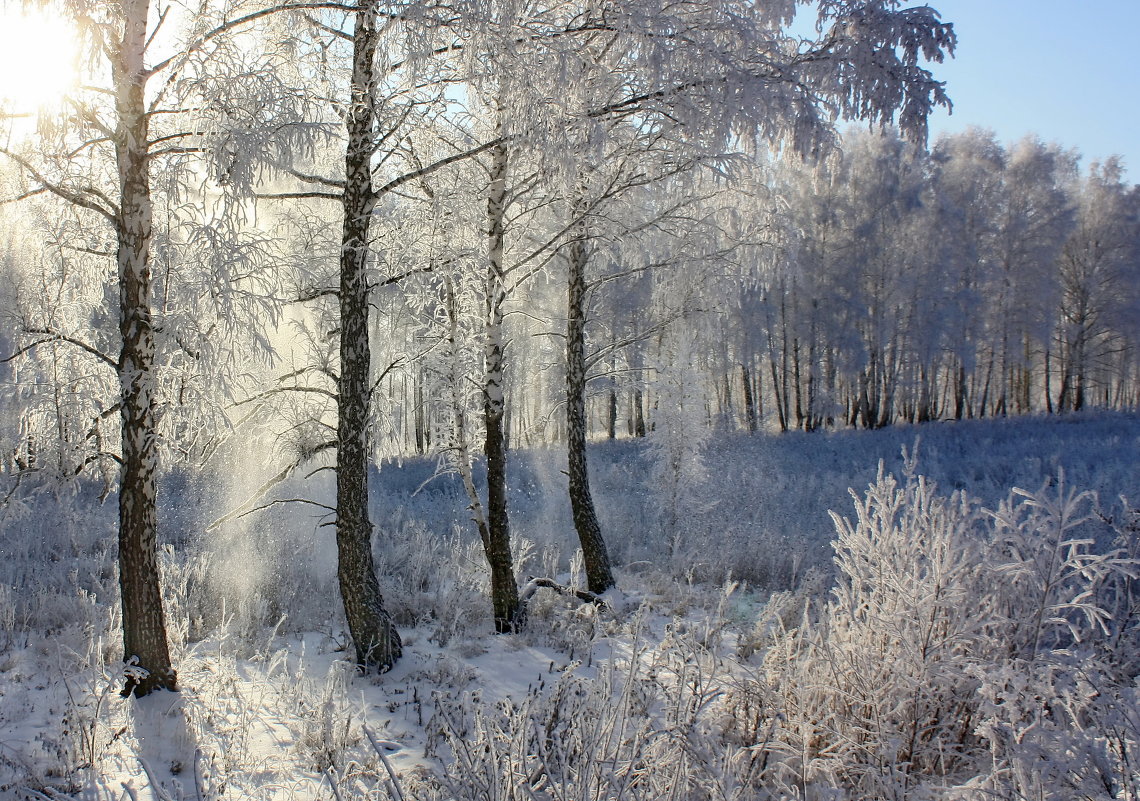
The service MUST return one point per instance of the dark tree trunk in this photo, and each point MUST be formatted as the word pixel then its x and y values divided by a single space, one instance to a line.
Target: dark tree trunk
pixel 923 412
pixel 420 414
pixel 375 639
pixel 749 401
pixel 638 413
pixel 960 393
pixel 1048 383
pixel 504 589
pixel 797 378
pixel 144 624
pixel 781 413
pixel 599 575
pixel 611 414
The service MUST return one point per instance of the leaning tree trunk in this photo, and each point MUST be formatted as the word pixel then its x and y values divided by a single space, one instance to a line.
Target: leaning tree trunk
pixel 504 589
pixel 144 624
pixel 599 575
pixel 375 639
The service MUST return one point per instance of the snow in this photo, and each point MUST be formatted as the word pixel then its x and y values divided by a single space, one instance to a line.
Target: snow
pixel 276 712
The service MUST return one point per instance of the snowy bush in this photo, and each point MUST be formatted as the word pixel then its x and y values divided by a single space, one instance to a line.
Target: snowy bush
pixel 872 693
pixel 948 650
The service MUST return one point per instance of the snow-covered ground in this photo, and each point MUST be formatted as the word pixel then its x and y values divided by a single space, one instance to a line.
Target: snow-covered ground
pixel 719 671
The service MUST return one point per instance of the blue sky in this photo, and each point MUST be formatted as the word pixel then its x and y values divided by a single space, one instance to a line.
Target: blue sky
pixel 1066 70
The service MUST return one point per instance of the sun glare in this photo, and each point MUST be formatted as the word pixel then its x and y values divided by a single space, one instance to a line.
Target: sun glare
pixel 37 58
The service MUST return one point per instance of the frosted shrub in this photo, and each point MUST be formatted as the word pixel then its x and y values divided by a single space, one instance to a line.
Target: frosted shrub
pixel 1057 728
pixel 328 727
pixel 1057 712
pixel 957 653
pixel 1122 596
pixel 564 623
pixel 873 693
pixel 1047 560
pixel 431 578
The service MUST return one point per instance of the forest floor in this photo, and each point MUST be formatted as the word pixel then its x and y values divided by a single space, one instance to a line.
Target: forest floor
pixel 270 708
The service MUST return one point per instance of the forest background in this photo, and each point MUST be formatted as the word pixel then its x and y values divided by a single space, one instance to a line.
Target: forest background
pixel 261 252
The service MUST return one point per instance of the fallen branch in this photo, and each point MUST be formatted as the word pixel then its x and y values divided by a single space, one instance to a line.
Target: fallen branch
pixel 535 584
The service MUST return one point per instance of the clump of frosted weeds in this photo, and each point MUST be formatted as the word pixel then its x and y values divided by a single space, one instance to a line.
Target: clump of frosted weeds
pixel 327 726
pixel 646 723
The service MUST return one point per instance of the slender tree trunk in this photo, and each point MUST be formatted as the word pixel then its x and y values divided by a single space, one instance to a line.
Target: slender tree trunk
pixel 922 412
pixel 599 575
pixel 811 413
pixel 781 414
pixel 728 416
pixel 983 403
pixel 960 392
pixel 375 639
pixel 749 401
pixel 797 378
pixel 1025 402
pixel 504 589
pixel 420 415
pixel 1078 362
pixel 611 414
pixel 785 420
pixel 144 624
pixel 1048 382
pixel 638 413
pixel 460 442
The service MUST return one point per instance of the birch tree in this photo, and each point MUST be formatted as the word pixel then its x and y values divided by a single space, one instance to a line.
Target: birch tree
pixel 697 75
pixel 1096 264
pixel 158 113
pixel 399 68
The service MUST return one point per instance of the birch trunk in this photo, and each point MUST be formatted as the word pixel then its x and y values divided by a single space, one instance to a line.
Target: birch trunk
pixel 375 639
pixel 144 624
pixel 599 575
pixel 504 589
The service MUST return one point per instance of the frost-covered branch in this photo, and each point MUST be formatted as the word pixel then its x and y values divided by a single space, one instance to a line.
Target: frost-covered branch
pixel 430 168
pixel 76 196
pixel 55 336
pixel 237 22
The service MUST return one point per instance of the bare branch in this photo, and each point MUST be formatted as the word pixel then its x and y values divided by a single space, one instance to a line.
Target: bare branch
pixel 157 28
pixel 384 373
pixel 317 292
pixel 276 390
pixel 395 279
pixel 338 196
pixel 286 500
pixel 532 586
pixel 641 336
pixel 24 196
pixel 308 178
pixel 337 32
